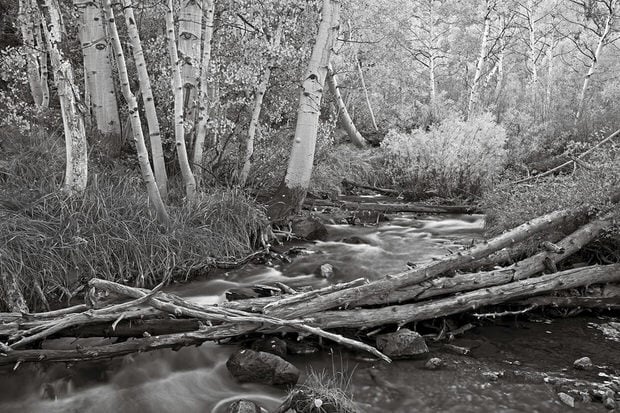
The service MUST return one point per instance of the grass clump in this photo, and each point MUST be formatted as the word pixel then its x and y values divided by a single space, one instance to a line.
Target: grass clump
pixel 322 392
pixel 54 243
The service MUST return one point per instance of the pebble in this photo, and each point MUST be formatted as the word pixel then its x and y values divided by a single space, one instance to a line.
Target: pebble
pixel 434 363
pixel 609 403
pixel 583 363
pixel 566 399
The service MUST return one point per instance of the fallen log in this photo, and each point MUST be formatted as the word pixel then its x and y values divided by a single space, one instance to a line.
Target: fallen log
pixel 393 208
pixel 518 271
pixel 383 287
pixel 385 191
pixel 403 314
pixel 184 308
pixel 602 303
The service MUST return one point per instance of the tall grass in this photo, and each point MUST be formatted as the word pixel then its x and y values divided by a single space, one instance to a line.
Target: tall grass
pixel 54 244
pixel 323 391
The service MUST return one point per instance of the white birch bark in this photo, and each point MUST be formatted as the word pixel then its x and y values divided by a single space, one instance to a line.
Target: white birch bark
pixel 297 179
pixel 366 95
pixel 345 119
pixel 189 41
pixel 98 73
pixel 136 124
pixel 26 21
pixel 42 59
pixel 177 90
pixel 76 172
pixel 152 122
pixel 203 93
pixel 473 95
pixel 593 66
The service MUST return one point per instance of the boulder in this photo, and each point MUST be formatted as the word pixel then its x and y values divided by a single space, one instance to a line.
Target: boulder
pixel 249 366
pixel 243 406
pixel 309 228
pixel 402 344
pixel 583 363
pixel 271 345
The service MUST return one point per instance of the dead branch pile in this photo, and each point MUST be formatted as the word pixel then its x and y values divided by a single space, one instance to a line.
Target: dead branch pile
pixel 143 320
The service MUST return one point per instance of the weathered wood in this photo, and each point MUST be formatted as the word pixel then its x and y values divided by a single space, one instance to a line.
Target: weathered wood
pixel 603 303
pixel 403 314
pixel 214 313
pixel 393 208
pixel 518 271
pixel 383 287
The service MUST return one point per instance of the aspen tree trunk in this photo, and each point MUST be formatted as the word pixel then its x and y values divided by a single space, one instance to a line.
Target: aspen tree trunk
pixel 76 172
pixel 26 21
pixel 157 151
pixel 295 185
pixel 473 96
pixel 42 56
pixel 345 119
pixel 431 55
pixel 500 79
pixel 548 88
pixel 203 93
pixel 98 73
pixel 258 104
pixel 532 45
pixel 136 124
pixel 177 90
pixel 595 59
pixel 190 39
pixel 372 113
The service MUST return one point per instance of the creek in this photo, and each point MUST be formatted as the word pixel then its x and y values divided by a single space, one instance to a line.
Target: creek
pixel 503 372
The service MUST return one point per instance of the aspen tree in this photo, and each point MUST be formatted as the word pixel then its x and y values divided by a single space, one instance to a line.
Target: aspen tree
pixel 152 122
pixel 295 185
pixel 177 90
pixel 98 73
pixel 136 124
pixel 203 93
pixel 72 110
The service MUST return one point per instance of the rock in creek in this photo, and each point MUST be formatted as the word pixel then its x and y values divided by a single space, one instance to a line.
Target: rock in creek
pixel 583 363
pixel 401 344
pixel 243 406
pixel 309 228
pixel 434 364
pixel 326 271
pixel 271 345
pixel 249 366
pixel 566 399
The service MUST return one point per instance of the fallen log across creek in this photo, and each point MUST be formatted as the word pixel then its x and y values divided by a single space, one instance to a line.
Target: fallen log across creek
pixel 392 207
pixel 144 320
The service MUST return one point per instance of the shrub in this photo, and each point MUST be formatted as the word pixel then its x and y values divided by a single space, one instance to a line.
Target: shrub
pixel 454 158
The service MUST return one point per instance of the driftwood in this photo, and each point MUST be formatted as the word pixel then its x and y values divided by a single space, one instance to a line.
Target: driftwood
pixel 393 207
pixel 603 303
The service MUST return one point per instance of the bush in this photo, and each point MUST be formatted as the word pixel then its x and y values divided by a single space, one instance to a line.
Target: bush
pixel 454 158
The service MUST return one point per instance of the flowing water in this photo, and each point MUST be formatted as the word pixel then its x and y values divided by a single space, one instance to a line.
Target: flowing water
pixel 196 379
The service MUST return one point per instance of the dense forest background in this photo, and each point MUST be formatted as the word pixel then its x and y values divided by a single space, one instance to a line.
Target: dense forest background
pixel 200 101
